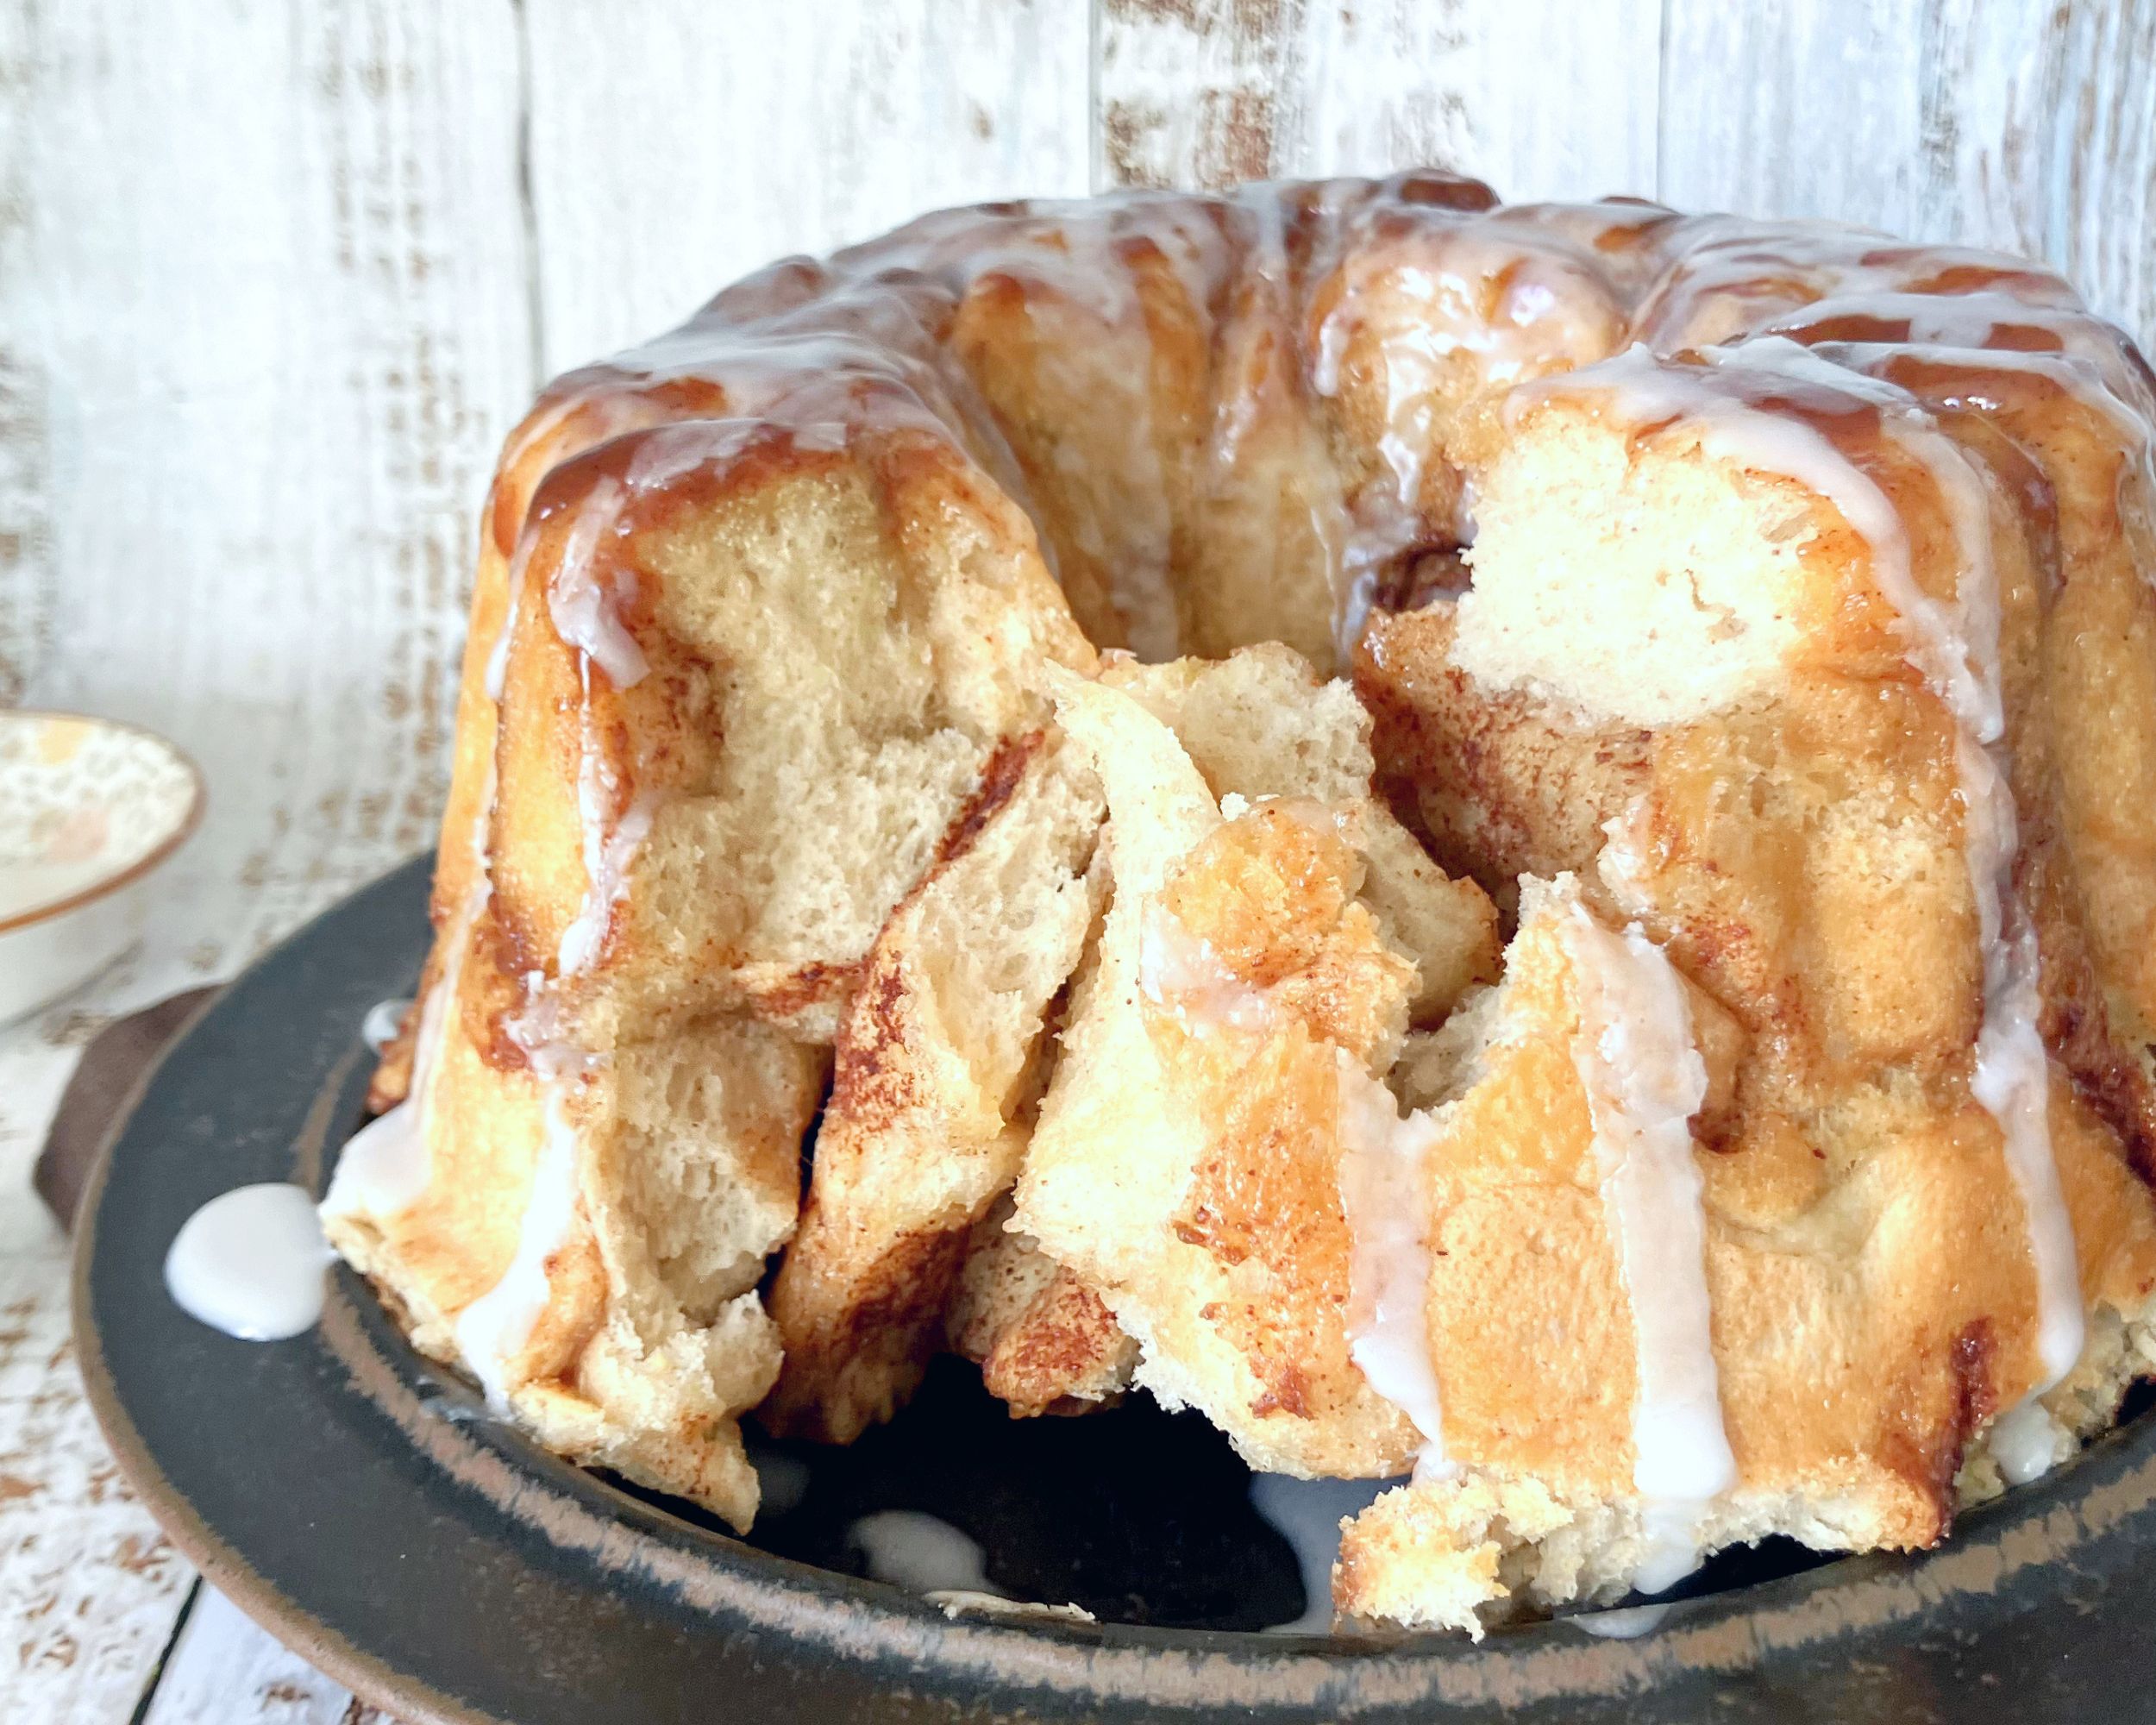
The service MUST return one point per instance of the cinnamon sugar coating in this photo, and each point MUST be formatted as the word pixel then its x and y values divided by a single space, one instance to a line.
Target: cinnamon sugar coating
pixel 1786 584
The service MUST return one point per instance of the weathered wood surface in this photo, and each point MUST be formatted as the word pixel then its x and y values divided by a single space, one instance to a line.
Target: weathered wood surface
pixel 274 278
pixel 1541 97
pixel 717 138
pixel 221 1670
pixel 87 1584
pixel 2027 125
pixel 262 321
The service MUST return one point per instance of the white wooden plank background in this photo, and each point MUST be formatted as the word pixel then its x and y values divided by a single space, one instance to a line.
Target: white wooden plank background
pixel 665 166
pixel 276 274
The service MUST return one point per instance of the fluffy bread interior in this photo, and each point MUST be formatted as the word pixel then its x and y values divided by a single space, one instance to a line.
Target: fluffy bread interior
pixel 1680 589
pixel 937 1068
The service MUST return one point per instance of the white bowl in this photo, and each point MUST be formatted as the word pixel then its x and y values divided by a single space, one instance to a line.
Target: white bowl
pixel 88 809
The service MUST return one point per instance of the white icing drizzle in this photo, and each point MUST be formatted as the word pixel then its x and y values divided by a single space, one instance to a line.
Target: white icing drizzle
pixel 495 1329
pixel 1505 300
pixel 384 1019
pixel 1975 321
pixel 823 353
pixel 1470 299
pixel 2113 396
pixel 1959 657
pixel 912 1549
pixel 1732 273
pixel 1644 1080
pixel 1307 1513
pixel 1626 1624
pixel 587 613
pixel 1623 861
pixel 1182 974
pixel 588 618
pixel 2112 388
pixel 1956 650
pixel 611 843
pixel 959 1601
pixel 250 1262
pixel 1623 241
pixel 1381 1192
pixel 1383 521
pixel 2027 1441
pixel 826 350
pixel 927 1555
pixel 385 1165
pixel 1514 300
pixel 1381 1177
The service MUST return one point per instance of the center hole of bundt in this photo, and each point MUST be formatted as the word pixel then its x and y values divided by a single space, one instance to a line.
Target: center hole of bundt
pixel 1420 575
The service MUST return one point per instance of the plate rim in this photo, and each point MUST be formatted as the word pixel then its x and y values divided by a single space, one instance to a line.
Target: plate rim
pixel 285 1620
pixel 1585 1669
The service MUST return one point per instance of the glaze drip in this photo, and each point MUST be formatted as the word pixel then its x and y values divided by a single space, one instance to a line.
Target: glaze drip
pixel 585 607
pixel 384 1167
pixel 1762 406
pixel 497 1326
pixel 1645 1081
pixel 1384 1191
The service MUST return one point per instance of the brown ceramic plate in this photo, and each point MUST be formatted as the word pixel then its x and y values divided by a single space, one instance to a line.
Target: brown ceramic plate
pixel 357 1502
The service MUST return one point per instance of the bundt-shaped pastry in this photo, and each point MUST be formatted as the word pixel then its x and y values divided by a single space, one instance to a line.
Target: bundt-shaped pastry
pixel 895 733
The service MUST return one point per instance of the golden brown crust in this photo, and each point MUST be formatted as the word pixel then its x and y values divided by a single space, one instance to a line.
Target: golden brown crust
pixel 2082 666
pixel 1066 1355
pixel 1802 855
pixel 1045 1342
pixel 605 1368
pixel 774 604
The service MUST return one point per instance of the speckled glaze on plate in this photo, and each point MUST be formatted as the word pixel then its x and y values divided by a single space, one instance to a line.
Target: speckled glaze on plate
pixel 352 1499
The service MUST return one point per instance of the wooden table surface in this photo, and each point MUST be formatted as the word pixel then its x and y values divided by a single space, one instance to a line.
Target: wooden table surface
pixel 276 276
